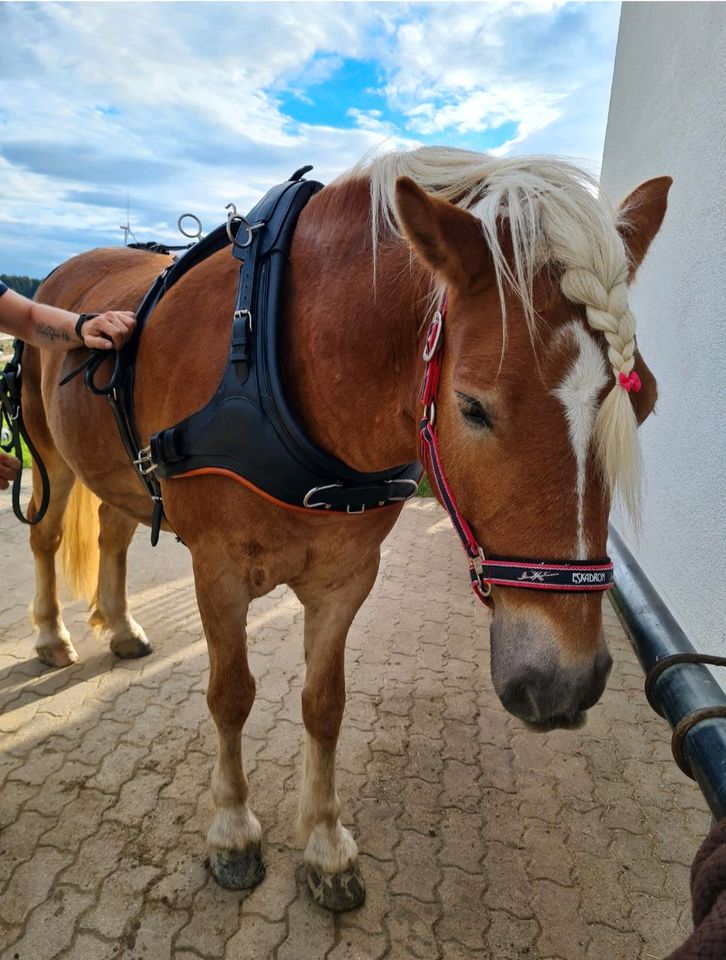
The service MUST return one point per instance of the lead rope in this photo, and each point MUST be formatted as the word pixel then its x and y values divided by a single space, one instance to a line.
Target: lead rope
pixel 12 423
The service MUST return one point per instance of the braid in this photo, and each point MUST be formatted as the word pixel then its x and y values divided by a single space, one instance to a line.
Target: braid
pixel 607 311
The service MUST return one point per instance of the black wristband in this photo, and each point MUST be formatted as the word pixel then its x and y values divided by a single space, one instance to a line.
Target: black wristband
pixel 81 320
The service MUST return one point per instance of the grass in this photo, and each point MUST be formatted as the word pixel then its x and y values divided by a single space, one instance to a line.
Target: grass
pixel 424 488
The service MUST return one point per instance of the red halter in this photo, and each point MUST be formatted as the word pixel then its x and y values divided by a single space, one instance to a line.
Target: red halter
pixel 568 575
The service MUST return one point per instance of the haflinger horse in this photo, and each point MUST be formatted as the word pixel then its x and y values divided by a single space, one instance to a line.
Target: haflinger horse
pixel 541 391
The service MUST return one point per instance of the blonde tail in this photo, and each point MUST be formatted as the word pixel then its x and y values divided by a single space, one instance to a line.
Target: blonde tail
pixel 79 546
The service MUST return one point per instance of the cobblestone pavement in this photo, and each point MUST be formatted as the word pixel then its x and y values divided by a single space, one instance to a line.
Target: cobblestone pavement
pixel 477 838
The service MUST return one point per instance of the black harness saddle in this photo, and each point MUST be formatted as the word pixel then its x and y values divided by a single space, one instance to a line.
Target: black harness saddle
pixel 247 430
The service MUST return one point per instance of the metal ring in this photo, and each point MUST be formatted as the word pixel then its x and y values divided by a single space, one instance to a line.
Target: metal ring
pixel 243 224
pixel 431 348
pixel 232 216
pixel 191 236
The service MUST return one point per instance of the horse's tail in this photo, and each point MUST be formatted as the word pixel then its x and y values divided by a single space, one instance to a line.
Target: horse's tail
pixel 79 546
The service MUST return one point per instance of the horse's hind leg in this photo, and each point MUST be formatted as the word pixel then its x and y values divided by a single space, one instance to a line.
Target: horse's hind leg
pixel 53 643
pixel 331 853
pixel 126 638
pixel 235 835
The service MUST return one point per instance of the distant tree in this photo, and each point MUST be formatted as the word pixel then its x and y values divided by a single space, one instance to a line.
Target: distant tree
pixel 25 285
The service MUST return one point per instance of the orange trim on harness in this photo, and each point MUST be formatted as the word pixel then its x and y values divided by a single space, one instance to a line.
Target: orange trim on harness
pixel 223 472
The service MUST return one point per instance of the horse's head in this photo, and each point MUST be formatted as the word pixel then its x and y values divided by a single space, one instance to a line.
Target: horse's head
pixel 537 408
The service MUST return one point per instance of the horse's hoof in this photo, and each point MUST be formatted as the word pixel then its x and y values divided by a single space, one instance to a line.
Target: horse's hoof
pixel 130 647
pixel 337 891
pixel 238 869
pixel 58 655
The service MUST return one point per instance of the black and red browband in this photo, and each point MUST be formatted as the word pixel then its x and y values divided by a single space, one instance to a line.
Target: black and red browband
pixel 558 575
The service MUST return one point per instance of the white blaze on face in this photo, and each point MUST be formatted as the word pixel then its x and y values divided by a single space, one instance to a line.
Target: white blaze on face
pixel 578 394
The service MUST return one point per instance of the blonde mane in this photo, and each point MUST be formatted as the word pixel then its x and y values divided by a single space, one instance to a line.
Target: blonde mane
pixel 556 215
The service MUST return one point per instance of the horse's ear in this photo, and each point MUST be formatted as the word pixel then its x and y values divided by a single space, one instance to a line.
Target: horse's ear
pixel 639 218
pixel 445 237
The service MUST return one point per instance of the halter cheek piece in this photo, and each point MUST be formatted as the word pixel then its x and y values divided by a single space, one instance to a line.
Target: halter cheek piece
pixel 562 576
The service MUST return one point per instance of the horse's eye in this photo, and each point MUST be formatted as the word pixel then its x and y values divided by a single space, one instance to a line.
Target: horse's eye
pixel 474 412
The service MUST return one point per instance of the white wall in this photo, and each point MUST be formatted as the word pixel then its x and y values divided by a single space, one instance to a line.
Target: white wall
pixel 668 116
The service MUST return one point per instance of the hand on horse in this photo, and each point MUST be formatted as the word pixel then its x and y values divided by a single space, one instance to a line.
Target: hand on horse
pixel 9 466
pixel 110 329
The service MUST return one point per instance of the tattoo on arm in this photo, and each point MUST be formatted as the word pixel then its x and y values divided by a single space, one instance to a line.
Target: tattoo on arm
pixel 50 333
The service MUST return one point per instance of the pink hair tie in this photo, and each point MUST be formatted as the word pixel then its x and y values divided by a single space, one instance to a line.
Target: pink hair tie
pixel 630 381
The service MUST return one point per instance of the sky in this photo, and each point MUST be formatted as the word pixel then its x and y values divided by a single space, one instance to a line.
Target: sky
pixel 189 106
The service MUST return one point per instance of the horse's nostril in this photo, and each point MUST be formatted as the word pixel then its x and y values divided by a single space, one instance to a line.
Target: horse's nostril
pixel 598 679
pixel 519 699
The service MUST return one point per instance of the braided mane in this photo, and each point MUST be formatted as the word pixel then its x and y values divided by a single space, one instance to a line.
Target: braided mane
pixel 555 216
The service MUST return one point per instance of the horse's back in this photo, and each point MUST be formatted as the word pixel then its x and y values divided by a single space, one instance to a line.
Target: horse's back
pixel 107 278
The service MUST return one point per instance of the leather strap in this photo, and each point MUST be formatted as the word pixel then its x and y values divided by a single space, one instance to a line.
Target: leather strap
pixel 11 420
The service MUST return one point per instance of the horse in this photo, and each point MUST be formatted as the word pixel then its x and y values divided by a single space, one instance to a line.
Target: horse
pixel 541 391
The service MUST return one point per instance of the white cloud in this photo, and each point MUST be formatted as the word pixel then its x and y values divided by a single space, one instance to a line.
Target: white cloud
pixel 182 104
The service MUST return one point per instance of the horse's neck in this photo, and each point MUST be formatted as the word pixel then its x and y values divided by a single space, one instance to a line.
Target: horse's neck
pixel 352 353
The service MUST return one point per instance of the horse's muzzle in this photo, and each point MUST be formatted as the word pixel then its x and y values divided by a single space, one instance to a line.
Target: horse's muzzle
pixel 537 683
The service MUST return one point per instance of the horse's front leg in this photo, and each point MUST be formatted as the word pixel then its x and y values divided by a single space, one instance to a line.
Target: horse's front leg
pixel 235 837
pixel 331 853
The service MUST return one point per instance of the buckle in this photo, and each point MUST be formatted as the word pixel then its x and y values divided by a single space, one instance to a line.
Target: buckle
pixel 412 483
pixel 243 315
pixel 144 464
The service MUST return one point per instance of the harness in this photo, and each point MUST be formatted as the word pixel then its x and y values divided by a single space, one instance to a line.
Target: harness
pixel 247 431
pixel 558 575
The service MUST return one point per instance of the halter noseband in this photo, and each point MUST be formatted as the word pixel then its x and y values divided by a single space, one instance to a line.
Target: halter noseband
pixel 565 576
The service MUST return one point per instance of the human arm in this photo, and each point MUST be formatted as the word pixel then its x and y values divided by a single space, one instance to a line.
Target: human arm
pixel 55 329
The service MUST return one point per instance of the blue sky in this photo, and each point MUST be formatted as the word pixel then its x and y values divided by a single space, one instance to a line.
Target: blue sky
pixel 187 106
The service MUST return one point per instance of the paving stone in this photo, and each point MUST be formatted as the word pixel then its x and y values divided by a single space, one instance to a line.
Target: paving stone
pixel 257 938
pixel 121 899
pixel 311 930
pixel 552 903
pixel 31 883
pixel 50 927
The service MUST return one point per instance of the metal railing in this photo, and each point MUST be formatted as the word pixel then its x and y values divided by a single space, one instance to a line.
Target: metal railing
pixel 682 690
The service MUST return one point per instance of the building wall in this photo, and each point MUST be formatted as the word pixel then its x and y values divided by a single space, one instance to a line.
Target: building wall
pixel 668 116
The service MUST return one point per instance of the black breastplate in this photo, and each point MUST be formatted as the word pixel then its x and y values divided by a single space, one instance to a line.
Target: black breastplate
pixel 247 430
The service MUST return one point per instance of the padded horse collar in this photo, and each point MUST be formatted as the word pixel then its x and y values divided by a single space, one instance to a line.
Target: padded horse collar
pixel 247 431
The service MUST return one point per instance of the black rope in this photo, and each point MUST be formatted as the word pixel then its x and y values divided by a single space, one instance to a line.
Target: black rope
pixel 11 420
